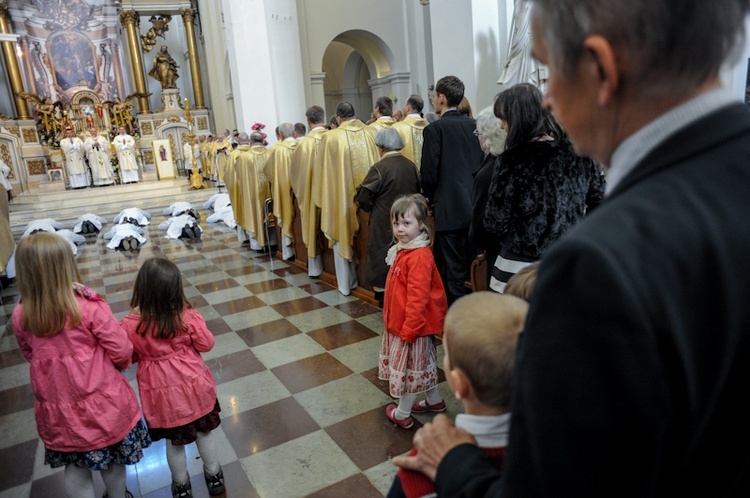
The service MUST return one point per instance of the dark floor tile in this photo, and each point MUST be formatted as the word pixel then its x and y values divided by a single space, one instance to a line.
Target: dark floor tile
pixel 244 270
pixel 17 464
pixel 341 334
pixel 316 287
pixel 234 365
pixel 53 485
pixel 119 306
pixel 16 399
pixel 192 272
pixel 372 376
pixel 216 286
pixel 268 285
pixel 297 306
pixel 120 287
pixel 356 309
pixel 267 332
pixel 218 326
pixel 310 372
pixel 188 258
pixel 371 439
pixel 12 357
pixel 237 305
pixel 255 430
pixel 357 485
pixel 235 482
pixel 290 270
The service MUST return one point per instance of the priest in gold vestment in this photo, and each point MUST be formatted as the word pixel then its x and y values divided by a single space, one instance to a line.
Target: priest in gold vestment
pixel 343 160
pixel 411 129
pixel 277 171
pixel 303 161
pixel 222 146
pixel 383 114
pixel 249 188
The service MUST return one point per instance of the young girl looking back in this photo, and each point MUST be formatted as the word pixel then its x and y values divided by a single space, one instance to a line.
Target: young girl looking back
pixel 178 392
pixel 414 311
pixel 86 412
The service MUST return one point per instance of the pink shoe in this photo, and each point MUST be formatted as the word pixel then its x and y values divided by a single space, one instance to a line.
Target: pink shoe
pixel 424 407
pixel 390 413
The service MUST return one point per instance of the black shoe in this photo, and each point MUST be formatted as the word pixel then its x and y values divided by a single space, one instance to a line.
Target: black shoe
pixel 128 494
pixel 125 244
pixel 92 227
pixel 85 227
pixel 188 232
pixel 215 482
pixel 182 490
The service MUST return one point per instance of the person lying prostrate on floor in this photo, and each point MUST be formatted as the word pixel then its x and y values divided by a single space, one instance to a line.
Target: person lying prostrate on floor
pixel 183 226
pixel 178 208
pixel 42 225
pixel 48 225
pixel 217 202
pixel 226 215
pixel 89 223
pixel 125 236
pixel 133 215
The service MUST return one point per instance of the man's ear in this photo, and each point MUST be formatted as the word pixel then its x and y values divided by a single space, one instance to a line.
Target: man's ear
pixel 604 67
pixel 460 383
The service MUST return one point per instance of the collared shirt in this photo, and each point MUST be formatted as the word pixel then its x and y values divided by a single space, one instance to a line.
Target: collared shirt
pixel 490 431
pixel 638 145
pixel 413 115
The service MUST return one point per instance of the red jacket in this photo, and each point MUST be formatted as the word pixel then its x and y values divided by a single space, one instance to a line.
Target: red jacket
pixel 415 302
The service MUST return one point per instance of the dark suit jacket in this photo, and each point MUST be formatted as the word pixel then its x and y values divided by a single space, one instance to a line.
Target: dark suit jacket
pixel 635 362
pixel 450 156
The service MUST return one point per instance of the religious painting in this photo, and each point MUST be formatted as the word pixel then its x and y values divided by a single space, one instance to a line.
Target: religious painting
pixel 163 159
pixel 73 60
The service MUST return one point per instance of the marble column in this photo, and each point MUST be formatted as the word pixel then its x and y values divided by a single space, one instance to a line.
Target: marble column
pixel 188 16
pixel 11 64
pixel 130 21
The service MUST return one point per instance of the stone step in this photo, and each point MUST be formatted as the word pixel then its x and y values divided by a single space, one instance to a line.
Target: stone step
pixel 67 206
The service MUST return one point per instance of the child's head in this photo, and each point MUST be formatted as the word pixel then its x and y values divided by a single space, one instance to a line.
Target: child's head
pixel 481 333
pixel 409 218
pixel 522 283
pixel 46 270
pixel 160 299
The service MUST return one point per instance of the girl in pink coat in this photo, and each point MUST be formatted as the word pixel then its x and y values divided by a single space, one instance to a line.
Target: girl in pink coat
pixel 86 412
pixel 178 392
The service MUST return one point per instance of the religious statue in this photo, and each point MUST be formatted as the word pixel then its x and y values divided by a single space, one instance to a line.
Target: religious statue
pixel 46 111
pixel 165 69
pixel 160 26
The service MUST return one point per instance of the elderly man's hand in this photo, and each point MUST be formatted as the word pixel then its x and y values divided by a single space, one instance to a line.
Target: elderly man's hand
pixel 433 442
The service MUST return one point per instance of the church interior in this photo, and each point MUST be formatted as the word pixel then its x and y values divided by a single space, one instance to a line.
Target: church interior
pixel 295 360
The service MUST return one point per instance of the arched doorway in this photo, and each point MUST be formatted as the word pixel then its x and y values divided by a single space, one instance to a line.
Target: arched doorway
pixel 359 68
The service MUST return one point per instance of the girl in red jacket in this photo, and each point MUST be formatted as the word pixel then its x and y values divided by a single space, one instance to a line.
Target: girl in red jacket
pixel 86 412
pixel 413 311
pixel 178 392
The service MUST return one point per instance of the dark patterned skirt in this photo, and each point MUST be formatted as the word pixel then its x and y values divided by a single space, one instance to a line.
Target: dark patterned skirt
pixel 127 452
pixel 188 433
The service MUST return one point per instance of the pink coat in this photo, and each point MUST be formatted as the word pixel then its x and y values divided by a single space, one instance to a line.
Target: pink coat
pixel 82 402
pixel 175 384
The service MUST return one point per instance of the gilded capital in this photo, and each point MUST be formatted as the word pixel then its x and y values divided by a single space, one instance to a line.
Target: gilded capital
pixel 130 17
pixel 188 15
pixel 4 12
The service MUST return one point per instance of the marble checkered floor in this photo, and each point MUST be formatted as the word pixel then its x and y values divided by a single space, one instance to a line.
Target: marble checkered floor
pixel 294 361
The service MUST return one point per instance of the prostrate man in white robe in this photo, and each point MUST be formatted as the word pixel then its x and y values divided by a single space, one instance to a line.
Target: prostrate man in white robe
pixel 72 149
pixel 88 223
pixel 125 148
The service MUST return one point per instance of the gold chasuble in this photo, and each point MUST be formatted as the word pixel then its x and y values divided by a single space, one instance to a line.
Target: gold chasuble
pixel 277 170
pixel 222 149
pixel 210 164
pixel 343 160
pixel 233 186
pixel 382 122
pixel 303 161
pixel 411 129
pixel 247 166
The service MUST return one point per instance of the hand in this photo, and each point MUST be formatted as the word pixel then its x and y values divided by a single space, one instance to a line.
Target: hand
pixel 433 442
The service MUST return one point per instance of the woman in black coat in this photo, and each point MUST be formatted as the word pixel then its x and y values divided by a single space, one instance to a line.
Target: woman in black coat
pixel 539 187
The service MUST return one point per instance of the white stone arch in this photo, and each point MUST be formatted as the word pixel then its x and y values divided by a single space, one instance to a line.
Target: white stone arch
pixel 352 54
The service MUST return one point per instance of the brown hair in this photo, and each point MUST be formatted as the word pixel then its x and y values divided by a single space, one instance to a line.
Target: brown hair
pixel 481 333
pixel 415 204
pixel 159 296
pixel 522 283
pixel 46 273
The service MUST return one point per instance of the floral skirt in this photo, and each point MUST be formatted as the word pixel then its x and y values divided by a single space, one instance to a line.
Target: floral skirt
pixel 186 434
pixel 409 367
pixel 127 452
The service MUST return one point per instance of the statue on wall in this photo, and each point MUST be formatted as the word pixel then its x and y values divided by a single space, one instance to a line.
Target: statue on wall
pixel 160 26
pixel 165 69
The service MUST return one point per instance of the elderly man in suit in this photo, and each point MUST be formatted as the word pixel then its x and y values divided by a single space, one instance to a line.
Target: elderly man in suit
pixel 451 155
pixel 633 365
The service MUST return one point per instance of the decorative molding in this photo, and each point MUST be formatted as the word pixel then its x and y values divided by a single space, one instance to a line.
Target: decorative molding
pixel 424 3
pixel 173 119
pixel 146 128
pixel 148 156
pixel 13 130
pixel 158 122
pixel 188 15
pixel 130 17
pixel 29 135
pixel 36 166
pixel 202 124
pixel 4 12
pixel 5 156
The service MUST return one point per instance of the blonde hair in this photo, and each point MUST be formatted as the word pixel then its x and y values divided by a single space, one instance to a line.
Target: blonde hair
pixel 522 283
pixel 481 334
pixel 46 271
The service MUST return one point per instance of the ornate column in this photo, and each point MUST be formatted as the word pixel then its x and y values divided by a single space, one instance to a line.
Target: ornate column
pixel 130 20
pixel 188 16
pixel 11 63
pixel 114 50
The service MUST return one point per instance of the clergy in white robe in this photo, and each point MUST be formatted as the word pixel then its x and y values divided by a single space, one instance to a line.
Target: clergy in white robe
pixel 72 149
pixel 125 148
pixel 96 146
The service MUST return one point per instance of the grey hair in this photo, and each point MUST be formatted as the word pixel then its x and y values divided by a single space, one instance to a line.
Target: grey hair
pixel 488 126
pixel 286 130
pixel 389 139
pixel 674 46
pixel 243 139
